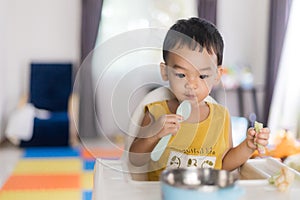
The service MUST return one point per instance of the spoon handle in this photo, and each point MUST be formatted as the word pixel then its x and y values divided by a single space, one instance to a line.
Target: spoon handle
pixel 184 109
pixel 160 147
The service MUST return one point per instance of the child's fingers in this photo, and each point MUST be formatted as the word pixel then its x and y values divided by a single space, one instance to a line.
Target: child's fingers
pixel 251 133
pixel 172 118
pixel 264 130
pixel 261 139
pixel 169 129
pixel 168 119
pixel 169 124
pixel 262 136
pixel 250 138
pixel 264 133
pixel 262 142
pixel 258 140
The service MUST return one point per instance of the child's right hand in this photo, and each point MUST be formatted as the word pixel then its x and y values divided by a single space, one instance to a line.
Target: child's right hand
pixel 166 124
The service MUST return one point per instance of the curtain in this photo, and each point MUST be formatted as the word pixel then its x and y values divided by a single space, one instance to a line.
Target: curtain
pixel 91 15
pixel 279 14
pixel 207 9
pixel 285 106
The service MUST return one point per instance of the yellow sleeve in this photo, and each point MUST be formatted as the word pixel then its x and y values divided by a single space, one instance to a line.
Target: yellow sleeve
pixel 227 127
pixel 157 109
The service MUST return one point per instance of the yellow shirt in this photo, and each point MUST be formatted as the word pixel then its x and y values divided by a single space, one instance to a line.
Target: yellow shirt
pixel 195 144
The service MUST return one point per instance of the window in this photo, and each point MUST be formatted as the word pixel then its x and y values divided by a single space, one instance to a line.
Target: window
pixel 120 16
pixel 285 107
pixel 129 43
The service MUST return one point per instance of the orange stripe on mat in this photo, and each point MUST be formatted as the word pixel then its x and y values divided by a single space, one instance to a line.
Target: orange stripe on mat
pixel 54 194
pixel 25 182
pixel 101 153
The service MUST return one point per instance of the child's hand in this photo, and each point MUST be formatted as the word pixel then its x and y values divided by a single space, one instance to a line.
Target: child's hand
pixel 167 124
pixel 255 140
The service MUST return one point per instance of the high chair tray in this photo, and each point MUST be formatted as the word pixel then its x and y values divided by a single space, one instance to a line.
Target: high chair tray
pixel 111 182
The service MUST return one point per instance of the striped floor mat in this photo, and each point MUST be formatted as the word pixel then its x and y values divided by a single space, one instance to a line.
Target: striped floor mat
pixel 55 173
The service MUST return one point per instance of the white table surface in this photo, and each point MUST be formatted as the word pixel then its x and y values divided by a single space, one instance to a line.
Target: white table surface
pixel 110 182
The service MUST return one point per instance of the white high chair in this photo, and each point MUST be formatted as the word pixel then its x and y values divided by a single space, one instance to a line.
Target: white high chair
pixel 158 94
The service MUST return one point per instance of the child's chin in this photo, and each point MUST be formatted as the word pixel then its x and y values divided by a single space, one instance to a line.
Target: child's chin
pixel 194 101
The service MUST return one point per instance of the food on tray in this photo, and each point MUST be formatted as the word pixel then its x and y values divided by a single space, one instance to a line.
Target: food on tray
pixel 257 127
pixel 283 179
pixel 293 162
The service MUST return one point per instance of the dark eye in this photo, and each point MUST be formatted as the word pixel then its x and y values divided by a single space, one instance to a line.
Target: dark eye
pixel 179 75
pixel 203 76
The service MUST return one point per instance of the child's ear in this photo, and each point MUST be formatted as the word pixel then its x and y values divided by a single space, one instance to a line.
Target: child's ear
pixel 164 71
pixel 220 71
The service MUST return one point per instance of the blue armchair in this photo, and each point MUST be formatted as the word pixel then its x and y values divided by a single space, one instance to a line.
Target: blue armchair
pixel 50 89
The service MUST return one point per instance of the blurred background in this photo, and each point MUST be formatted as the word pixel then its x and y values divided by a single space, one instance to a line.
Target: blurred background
pixel 254 32
pixel 260 80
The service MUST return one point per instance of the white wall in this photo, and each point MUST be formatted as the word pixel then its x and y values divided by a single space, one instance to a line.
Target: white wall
pixel 244 26
pixel 34 30
pixel 3 6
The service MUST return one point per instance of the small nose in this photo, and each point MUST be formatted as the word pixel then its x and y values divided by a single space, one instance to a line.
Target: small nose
pixel 191 83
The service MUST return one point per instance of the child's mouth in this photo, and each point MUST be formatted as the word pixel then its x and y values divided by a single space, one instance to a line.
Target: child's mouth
pixel 190 96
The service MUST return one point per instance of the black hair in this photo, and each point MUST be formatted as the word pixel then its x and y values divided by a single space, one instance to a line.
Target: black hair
pixel 194 32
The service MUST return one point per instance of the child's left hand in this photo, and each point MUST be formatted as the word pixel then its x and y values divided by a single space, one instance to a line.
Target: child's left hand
pixel 255 139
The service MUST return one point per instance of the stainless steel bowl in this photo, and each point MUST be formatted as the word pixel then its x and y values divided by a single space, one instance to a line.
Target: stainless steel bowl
pixel 203 183
pixel 206 179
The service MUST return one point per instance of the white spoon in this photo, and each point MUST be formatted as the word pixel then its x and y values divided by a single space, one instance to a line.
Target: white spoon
pixel 184 109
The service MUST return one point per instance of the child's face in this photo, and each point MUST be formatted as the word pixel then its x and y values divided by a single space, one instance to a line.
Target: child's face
pixel 191 74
